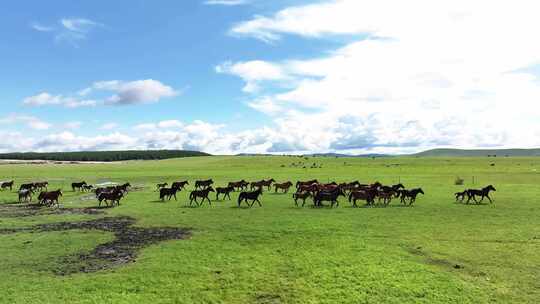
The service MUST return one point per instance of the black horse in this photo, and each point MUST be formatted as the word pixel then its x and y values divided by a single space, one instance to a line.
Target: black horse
pixel 168 193
pixel 410 194
pixel 203 183
pixel 226 191
pixel 202 194
pixel 179 185
pixel 78 186
pixel 6 185
pixel 329 196
pixel 252 196
pixel 472 194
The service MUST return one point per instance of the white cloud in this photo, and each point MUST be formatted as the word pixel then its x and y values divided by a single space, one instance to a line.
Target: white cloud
pixel 41 28
pixel 136 92
pixel 30 121
pixel 79 25
pixel 72 125
pixel 226 2
pixel 126 93
pixel 418 74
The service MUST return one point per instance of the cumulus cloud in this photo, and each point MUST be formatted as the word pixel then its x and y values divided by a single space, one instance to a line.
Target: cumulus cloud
pixel 31 122
pixel 414 75
pixel 125 93
pixel 109 126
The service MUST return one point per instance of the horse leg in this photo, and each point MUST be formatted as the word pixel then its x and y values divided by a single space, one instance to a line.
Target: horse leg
pixel 489 198
pixel 259 202
pixel 209 202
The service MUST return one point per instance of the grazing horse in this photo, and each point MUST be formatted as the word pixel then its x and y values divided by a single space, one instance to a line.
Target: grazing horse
pixel 50 198
pixel 329 196
pixel 283 186
pixel 262 183
pixel 472 194
pixel 179 185
pixel 411 195
pixel 240 185
pixel 225 191
pixel 460 196
pixel 364 195
pixel 26 195
pixel 168 193
pixel 301 195
pixel 202 194
pixel 113 196
pixel 203 183
pixel 78 186
pixel 252 196
pixel 306 183
pixel 163 185
pixel 5 185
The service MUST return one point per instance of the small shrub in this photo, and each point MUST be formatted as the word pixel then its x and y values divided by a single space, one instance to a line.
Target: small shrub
pixel 459 181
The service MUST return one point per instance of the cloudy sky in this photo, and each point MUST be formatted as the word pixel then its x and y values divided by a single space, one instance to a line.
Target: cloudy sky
pixel 258 76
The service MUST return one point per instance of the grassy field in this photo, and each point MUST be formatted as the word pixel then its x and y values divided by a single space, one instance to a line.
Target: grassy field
pixel 435 252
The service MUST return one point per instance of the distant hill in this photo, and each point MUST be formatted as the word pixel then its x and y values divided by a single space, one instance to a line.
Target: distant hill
pixel 478 153
pixel 103 156
pixel 346 155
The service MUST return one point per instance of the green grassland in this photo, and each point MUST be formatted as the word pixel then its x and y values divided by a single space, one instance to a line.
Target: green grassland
pixel 435 252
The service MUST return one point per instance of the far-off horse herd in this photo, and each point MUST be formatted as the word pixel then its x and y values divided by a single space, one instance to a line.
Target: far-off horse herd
pixel 375 194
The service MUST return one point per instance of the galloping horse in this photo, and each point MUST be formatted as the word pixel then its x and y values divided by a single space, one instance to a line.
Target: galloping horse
pixel 240 185
pixel 113 196
pixel 225 191
pixel 124 188
pixel 411 195
pixel 252 196
pixel 203 183
pixel 472 194
pixel 262 183
pixel 163 185
pixel 202 194
pixel 364 195
pixel 87 188
pixel 41 185
pixel 460 196
pixel 283 186
pixel 50 198
pixel 78 186
pixel 179 185
pixel 25 194
pixel 306 183
pixel 329 196
pixel 311 188
pixel 301 195
pixel 168 193
pixel 5 185
pixel 30 186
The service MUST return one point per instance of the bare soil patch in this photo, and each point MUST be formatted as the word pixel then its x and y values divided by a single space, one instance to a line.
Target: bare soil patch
pixel 122 250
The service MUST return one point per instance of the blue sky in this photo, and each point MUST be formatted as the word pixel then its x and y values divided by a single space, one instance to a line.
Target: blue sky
pixel 265 76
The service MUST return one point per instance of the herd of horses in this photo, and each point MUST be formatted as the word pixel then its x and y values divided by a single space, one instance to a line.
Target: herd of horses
pixel 251 192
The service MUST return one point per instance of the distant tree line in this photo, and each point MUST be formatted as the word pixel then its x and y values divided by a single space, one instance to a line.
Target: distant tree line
pixel 103 156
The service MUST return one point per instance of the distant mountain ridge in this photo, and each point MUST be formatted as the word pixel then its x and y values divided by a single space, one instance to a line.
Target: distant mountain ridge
pixel 478 152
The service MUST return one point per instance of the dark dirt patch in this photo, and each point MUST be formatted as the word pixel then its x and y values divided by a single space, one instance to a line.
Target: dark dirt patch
pixel 268 299
pixel 25 210
pixel 122 250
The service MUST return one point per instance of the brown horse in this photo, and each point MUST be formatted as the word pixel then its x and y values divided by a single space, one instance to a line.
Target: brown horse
pixel 252 196
pixel 50 198
pixel 113 196
pixel 225 191
pixel 364 195
pixel 124 188
pixel 311 188
pixel 203 183
pixel 283 186
pixel 262 183
pixel 179 185
pixel 306 183
pixel 6 185
pixel 78 186
pixel 301 195
pixel 202 194
pixel 240 185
